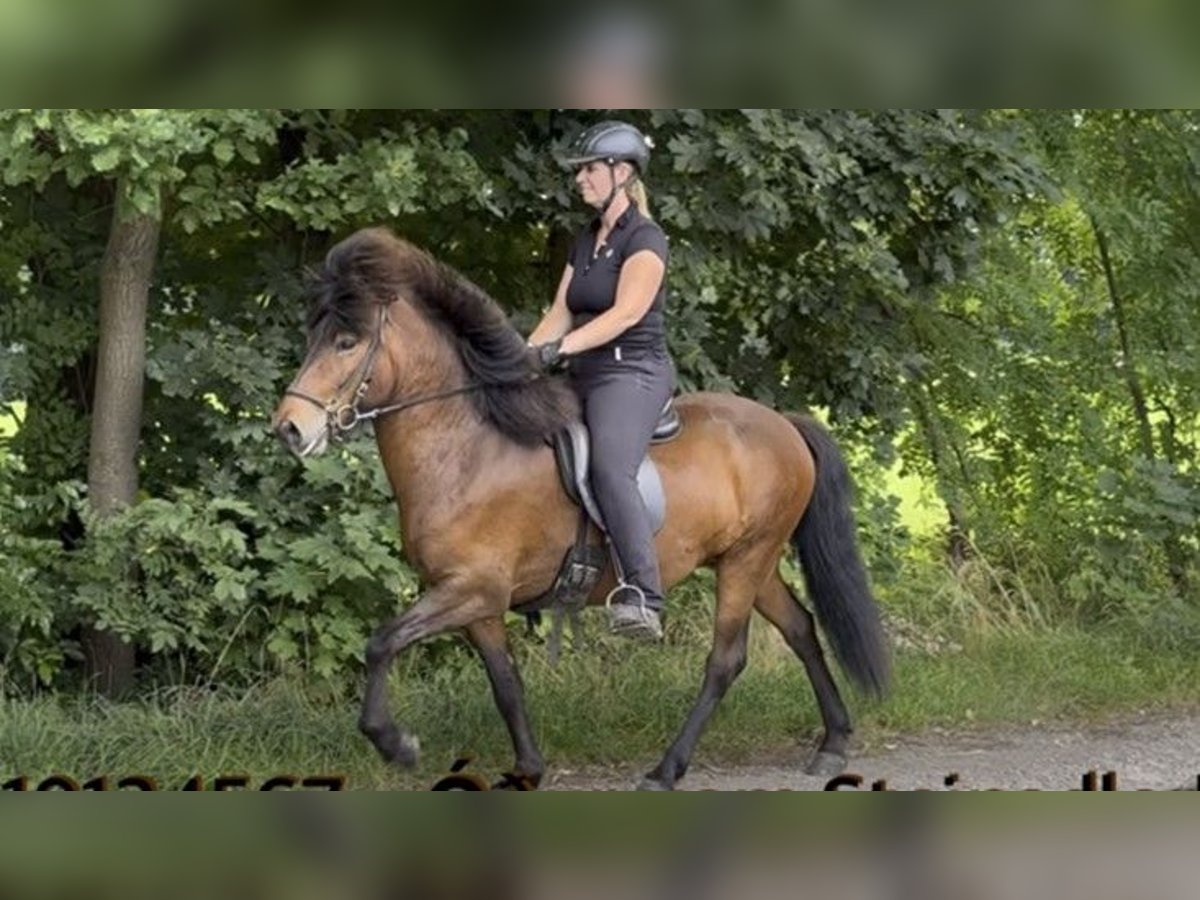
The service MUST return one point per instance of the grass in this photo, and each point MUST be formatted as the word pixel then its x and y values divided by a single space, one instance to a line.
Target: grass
pixel 610 705
pixel 615 705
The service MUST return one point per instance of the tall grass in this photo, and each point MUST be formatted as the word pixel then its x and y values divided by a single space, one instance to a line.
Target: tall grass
pixel 606 704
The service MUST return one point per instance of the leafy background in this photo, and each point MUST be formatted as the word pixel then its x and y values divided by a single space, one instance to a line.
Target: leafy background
pixel 931 281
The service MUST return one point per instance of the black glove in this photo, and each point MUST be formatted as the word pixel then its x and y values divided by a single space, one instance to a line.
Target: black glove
pixel 546 357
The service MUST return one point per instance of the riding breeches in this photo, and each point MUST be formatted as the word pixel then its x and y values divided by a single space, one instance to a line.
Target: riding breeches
pixel 622 400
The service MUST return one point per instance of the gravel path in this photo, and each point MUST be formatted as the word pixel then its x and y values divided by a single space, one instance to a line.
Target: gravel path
pixel 1145 752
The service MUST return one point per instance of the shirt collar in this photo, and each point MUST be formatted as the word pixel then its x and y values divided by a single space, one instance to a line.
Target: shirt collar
pixel 622 220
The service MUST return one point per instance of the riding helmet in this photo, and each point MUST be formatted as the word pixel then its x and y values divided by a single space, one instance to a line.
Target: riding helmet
pixel 612 142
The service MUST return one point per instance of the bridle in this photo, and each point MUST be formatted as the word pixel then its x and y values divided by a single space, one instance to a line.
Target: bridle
pixel 342 417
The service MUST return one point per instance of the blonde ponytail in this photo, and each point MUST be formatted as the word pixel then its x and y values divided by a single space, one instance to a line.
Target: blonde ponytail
pixel 636 192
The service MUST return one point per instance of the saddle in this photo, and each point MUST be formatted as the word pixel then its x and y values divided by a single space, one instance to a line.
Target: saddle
pixel 584 563
pixel 573 448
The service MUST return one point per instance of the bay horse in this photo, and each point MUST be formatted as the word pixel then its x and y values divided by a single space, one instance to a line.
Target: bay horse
pixel 463 421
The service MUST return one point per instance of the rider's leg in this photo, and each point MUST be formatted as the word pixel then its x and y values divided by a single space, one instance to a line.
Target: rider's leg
pixel 622 409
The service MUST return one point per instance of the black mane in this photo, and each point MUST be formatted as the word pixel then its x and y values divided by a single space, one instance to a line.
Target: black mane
pixel 373 265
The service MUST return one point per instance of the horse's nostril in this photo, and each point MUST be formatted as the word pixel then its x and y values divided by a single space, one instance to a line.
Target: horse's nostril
pixel 289 434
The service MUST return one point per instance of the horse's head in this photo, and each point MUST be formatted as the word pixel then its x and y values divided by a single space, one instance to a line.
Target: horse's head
pixel 388 322
pixel 361 305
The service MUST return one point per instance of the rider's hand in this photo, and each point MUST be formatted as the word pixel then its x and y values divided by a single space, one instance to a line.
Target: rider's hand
pixel 546 357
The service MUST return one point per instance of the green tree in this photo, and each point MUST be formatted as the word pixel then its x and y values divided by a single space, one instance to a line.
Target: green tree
pixel 806 247
pixel 1061 376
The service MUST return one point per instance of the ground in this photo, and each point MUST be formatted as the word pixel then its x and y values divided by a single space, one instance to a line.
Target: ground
pixel 1145 752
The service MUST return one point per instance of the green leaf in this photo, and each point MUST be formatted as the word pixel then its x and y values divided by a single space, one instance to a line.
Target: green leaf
pixel 223 150
pixel 107 159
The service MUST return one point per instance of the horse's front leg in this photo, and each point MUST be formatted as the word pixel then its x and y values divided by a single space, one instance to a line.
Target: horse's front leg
pixel 491 640
pixel 449 604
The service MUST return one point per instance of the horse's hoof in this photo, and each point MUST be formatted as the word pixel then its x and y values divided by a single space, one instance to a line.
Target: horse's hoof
pixel 652 784
pixel 826 764
pixel 515 781
pixel 398 748
pixel 408 753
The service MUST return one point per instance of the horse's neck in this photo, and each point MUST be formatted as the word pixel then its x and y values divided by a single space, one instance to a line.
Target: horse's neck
pixel 420 446
pixel 430 454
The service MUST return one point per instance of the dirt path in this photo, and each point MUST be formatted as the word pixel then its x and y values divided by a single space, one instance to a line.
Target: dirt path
pixel 1156 753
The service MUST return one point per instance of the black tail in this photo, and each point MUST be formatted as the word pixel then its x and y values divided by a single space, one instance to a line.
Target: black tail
pixel 833 569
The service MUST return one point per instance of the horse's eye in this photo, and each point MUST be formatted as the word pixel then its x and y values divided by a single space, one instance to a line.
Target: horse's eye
pixel 345 342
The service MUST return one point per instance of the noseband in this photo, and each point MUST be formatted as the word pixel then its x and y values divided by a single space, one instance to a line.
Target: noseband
pixel 342 417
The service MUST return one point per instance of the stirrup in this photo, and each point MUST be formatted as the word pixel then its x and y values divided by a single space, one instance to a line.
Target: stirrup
pixel 626 586
pixel 633 620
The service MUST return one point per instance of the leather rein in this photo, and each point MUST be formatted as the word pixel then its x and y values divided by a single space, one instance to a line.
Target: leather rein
pixel 342 417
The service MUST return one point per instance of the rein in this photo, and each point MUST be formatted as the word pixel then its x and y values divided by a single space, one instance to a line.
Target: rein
pixel 344 417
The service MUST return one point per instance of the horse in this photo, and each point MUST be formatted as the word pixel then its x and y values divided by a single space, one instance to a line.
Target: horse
pixel 463 422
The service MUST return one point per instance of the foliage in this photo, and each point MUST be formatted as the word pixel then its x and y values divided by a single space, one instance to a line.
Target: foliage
pixel 930 278
pixel 1058 408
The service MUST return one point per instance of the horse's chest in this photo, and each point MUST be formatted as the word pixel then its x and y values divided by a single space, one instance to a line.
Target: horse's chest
pixel 427 540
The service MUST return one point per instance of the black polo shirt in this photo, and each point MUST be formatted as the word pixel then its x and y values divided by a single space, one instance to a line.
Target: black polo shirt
pixel 593 286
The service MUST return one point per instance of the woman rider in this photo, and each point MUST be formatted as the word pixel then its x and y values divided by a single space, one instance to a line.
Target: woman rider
pixel 606 322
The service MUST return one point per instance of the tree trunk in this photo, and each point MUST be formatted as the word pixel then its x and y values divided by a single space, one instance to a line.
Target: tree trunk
pixel 1175 553
pixel 958 543
pixel 1136 393
pixel 125 277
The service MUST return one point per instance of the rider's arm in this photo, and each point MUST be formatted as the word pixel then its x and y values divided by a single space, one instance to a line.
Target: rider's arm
pixel 557 320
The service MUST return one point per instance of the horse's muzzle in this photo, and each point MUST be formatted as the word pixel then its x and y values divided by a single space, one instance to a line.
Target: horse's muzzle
pixel 288 432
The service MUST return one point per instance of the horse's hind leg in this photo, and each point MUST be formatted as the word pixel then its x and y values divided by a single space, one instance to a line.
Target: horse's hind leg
pixel 443 607
pixel 780 607
pixel 737 584
pixel 491 641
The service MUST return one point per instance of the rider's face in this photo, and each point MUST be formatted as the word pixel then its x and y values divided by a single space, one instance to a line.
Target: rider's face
pixel 594 181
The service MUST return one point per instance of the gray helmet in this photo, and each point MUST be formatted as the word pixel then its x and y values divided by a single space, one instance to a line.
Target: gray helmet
pixel 612 142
